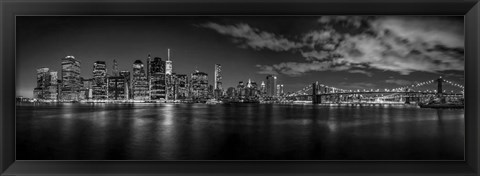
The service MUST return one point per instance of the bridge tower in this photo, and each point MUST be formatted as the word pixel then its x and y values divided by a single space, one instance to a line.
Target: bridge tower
pixel 440 86
pixel 315 98
pixel 440 90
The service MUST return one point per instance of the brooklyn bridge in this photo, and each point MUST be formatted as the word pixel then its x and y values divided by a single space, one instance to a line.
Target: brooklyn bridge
pixel 436 89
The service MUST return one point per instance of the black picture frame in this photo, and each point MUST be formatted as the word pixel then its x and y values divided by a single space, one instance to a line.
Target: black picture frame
pixel 9 9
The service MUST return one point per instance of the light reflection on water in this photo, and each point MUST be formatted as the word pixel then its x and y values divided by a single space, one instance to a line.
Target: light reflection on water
pixel 245 131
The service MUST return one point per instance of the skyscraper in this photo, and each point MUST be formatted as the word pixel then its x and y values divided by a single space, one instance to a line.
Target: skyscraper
pixel 115 68
pixel 253 90
pixel 42 74
pixel 218 90
pixel 182 89
pixel 46 84
pixel 52 87
pixel 140 84
pixel 168 64
pixel 279 90
pixel 157 79
pixel 87 88
pixel 128 88
pixel 231 92
pixel 171 79
pixel 172 86
pixel 271 85
pixel 218 77
pixel 148 75
pixel 117 88
pixel 241 92
pixel 263 89
pixel 100 80
pixel 70 78
pixel 199 85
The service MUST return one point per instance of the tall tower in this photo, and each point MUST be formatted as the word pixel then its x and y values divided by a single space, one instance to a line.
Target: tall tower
pixel 263 88
pixel 157 79
pixel 279 90
pixel 149 80
pixel 168 64
pixel 271 85
pixel 218 77
pixel 199 85
pixel 115 68
pixel 440 85
pixel 99 87
pixel 140 82
pixel 70 78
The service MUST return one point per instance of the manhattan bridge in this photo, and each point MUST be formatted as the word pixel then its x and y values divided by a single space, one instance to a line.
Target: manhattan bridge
pixel 445 90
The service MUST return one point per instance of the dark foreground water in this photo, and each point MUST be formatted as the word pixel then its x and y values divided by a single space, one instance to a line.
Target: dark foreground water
pixel 237 132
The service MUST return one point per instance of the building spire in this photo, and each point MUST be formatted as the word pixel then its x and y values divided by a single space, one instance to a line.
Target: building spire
pixel 115 68
pixel 168 58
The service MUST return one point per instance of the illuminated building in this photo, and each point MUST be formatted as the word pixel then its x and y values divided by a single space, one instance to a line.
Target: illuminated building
pixel 168 65
pixel 199 85
pixel 171 79
pixel 116 88
pixel 182 83
pixel 42 82
pixel 126 76
pixel 115 68
pixel 177 87
pixel 241 89
pixel 253 90
pixel 172 86
pixel 140 84
pixel 148 74
pixel 218 90
pixel 71 82
pixel 87 88
pixel 218 77
pixel 157 79
pixel 231 93
pixel 271 85
pixel 47 85
pixel 100 80
pixel 279 90
pixel 263 89
pixel 52 88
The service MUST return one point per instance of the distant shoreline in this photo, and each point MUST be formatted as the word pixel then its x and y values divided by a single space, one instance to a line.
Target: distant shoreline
pixel 192 102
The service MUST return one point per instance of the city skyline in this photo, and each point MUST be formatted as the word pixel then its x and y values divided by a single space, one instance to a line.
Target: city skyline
pixel 248 49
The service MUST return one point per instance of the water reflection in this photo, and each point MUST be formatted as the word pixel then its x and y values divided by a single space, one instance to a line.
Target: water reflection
pixel 247 131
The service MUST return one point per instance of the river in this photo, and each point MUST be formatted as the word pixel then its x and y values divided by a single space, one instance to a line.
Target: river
pixel 237 132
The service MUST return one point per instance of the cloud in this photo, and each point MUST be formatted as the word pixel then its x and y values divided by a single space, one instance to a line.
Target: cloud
pixel 369 74
pixel 266 70
pixel 389 43
pixel 390 52
pixel 428 30
pixel 323 39
pixel 295 69
pixel 356 85
pixel 253 37
pixel 400 82
pixel 347 21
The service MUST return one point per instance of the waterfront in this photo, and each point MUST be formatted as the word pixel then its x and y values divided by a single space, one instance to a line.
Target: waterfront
pixel 237 132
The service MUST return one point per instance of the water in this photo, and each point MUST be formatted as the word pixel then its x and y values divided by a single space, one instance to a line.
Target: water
pixel 237 132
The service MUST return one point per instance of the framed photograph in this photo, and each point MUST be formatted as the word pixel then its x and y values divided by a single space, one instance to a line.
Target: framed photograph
pixel 256 87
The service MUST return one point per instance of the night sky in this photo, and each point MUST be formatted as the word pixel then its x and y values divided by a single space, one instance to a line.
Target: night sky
pixel 349 52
